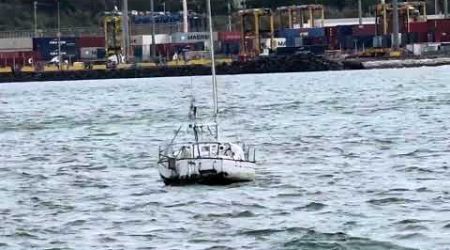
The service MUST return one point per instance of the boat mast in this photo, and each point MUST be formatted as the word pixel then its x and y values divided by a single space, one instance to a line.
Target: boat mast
pixel 213 67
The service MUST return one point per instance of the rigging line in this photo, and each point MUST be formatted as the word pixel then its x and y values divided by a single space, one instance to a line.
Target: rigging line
pixel 171 141
pixel 213 66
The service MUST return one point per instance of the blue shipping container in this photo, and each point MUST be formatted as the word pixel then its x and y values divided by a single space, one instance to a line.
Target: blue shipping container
pixel 47 47
pixel 289 33
pixel 291 36
pixel 316 32
pixel 345 30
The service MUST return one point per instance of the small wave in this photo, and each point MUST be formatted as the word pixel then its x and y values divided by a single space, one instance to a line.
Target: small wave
pixel 260 232
pixel 220 247
pixel 446 226
pixel 241 214
pixel 398 190
pixel 409 236
pixel 75 223
pixel 181 204
pixel 313 206
pixel 25 234
pixel 38 158
pixel 36 176
pixel 390 200
pixel 418 153
pixel 289 195
pixel 409 221
pixel 316 240
pixel 414 228
pixel 418 169
pixel 423 189
pixel 104 134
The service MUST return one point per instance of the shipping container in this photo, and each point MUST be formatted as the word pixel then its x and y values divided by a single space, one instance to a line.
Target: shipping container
pixel 439 25
pixel 278 43
pixel 229 36
pixel 141 40
pixel 18 58
pixel 166 51
pixel 364 42
pixel 411 38
pixel 313 49
pixel 192 37
pixel 47 48
pixel 230 43
pixel 314 41
pixel 229 48
pixel 91 41
pixel 92 53
pixel 292 36
pixel 291 32
pixel 442 37
pixel 378 42
pixel 364 30
pixel 316 32
pixel 20 44
pixel 418 27
pixel 417 37
pixel 344 30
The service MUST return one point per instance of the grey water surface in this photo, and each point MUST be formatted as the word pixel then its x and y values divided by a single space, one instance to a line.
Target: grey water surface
pixel 347 160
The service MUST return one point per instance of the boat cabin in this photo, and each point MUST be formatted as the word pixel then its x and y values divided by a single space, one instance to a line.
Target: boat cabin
pixel 211 150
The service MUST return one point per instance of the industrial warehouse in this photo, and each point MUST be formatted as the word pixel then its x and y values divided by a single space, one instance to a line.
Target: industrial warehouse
pixel 150 40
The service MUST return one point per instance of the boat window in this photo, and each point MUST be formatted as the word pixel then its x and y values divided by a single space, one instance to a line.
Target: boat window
pixel 214 150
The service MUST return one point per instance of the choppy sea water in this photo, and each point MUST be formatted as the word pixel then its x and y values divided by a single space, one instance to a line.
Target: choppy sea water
pixel 347 160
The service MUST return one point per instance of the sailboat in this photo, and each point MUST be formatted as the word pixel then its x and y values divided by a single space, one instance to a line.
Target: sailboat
pixel 204 158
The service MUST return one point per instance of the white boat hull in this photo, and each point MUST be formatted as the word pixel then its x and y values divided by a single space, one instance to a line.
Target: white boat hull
pixel 210 171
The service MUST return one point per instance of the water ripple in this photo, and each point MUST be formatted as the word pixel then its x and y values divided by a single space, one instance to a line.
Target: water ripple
pixel 347 160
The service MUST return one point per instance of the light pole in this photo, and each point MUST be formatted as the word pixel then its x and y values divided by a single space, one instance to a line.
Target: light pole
pixel 126 30
pixel 436 7
pixel 185 17
pixel 446 8
pixel 152 9
pixel 229 16
pixel 59 36
pixel 395 25
pixel 360 13
pixel 35 3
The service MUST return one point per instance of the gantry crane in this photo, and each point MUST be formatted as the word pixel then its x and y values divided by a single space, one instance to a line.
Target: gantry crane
pixel 256 24
pixel 302 16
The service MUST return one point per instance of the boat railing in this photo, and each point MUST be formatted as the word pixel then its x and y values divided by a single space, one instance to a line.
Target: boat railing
pixel 206 150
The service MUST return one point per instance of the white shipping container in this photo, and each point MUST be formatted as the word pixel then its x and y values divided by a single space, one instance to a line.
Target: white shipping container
pixel 89 52
pixel 16 44
pixel 193 37
pixel 278 43
pixel 147 39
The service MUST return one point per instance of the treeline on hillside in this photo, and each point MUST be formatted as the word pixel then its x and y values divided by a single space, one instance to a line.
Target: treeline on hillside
pixel 18 14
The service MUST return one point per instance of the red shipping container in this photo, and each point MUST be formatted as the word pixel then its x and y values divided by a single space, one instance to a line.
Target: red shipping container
pixel 418 27
pixel 91 41
pixel 364 30
pixel 439 25
pixel 230 36
pixel 18 58
pixel 442 37
pixel 422 37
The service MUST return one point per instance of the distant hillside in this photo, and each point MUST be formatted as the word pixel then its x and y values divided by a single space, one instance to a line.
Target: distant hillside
pixel 18 14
